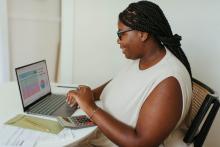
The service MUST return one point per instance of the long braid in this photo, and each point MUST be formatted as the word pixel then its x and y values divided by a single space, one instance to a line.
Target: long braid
pixel 146 16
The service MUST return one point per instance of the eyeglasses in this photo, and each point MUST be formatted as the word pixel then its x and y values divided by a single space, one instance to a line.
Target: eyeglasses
pixel 120 33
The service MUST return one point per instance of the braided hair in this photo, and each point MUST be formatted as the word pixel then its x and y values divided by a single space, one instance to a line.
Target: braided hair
pixel 146 16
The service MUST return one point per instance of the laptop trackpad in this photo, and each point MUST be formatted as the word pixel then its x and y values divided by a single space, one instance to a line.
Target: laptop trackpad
pixel 65 110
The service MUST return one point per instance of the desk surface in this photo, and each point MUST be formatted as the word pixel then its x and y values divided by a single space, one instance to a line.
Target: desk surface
pixel 11 105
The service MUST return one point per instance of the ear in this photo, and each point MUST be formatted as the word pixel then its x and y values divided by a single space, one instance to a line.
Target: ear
pixel 144 36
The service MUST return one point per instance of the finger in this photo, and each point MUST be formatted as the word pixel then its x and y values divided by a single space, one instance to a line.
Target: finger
pixel 73 104
pixel 72 100
pixel 69 99
pixel 69 96
pixel 83 86
pixel 73 97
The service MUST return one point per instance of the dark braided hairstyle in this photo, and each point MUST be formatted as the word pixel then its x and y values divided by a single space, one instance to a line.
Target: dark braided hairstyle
pixel 146 16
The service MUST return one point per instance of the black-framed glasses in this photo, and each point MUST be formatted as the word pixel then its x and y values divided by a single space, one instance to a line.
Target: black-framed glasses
pixel 120 33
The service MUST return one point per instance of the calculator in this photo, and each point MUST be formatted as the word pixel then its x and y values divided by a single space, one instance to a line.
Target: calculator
pixel 75 122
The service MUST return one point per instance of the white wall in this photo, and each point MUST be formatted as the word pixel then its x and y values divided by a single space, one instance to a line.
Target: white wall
pixel 96 56
pixel 34 32
pixel 4 51
pixel 67 42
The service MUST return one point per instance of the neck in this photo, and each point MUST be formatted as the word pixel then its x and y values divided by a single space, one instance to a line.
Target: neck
pixel 153 54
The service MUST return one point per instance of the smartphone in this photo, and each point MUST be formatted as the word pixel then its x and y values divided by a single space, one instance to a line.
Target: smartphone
pixel 75 122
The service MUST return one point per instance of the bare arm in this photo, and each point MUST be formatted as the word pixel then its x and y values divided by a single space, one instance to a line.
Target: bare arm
pixel 157 118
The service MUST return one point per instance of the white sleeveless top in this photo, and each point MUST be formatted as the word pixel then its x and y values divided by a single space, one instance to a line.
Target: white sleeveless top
pixel 124 96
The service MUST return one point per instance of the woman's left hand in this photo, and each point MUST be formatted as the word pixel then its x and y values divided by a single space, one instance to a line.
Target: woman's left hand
pixel 84 97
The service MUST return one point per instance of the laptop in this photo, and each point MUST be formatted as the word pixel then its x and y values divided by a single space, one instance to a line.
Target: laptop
pixel 35 90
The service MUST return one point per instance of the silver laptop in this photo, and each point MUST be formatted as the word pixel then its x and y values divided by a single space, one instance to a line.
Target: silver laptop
pixel 35 91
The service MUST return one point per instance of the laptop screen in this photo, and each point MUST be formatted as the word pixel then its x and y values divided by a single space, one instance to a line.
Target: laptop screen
pixel 33 81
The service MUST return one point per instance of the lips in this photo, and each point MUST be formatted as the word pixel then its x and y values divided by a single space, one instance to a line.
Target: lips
pixel 123 50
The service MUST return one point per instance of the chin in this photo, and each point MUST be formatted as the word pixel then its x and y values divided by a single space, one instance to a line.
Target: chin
pixel 130 57
pixel 127 56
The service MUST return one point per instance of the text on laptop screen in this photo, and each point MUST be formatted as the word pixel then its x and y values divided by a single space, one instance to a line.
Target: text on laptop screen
pixel 34 82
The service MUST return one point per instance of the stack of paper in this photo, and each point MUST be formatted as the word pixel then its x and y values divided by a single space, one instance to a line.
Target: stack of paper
pixel 30 131
pixel 11 136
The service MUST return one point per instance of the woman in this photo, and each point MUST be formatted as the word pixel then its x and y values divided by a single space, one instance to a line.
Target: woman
pixel 147 102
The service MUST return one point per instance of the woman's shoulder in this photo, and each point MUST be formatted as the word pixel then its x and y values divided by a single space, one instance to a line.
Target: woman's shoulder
pixel 172 64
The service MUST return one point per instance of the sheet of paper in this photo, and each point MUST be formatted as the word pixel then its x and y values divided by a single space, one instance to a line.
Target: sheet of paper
pixel 14 136
pixel 11 136
pixel 64 137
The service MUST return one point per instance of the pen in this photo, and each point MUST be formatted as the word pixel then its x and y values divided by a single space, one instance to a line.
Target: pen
pixel 37 125
pixel 67 86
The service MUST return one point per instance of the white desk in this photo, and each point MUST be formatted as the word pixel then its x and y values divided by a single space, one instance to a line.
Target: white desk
pixel 10 105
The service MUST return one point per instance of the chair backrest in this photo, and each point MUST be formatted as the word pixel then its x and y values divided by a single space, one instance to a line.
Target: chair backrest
pixel 204 107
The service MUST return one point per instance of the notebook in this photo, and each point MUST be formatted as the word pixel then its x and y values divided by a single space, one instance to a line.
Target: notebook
pixel 35 90
pixel 35 123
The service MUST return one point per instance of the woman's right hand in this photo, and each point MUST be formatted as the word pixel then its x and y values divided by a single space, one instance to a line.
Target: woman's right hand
pixel 70 99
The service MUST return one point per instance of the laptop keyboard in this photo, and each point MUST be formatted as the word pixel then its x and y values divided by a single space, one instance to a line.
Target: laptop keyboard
pixel 48 105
